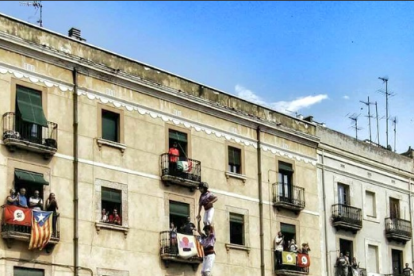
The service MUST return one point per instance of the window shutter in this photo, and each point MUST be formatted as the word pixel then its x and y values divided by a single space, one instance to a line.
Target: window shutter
pixel 29 106
pixel 179 209
pixel 285 167
pixel 236 218
pixel 110 122
pixel 111 195
pixel 234 156
pixel 20 271
pixel 178 136
pixel 287 228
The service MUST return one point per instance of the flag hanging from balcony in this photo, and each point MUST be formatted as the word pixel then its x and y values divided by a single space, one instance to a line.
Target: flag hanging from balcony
pixel 17 215
pixel 288 258
pixel 303 260
pixel 41 229
pixel 186 246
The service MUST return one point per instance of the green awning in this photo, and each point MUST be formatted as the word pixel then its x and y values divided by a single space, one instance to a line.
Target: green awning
pixel 287 228
pixel 179 209
pixel 285 167
pixel 178 136
pixel 236 218
pixel 29 105
pixel 234 156
pixel 32 177
pixel 111 195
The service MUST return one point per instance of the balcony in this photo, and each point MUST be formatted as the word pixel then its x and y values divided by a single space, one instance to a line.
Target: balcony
pixel 346 217
pixel 13 232
pixel 398 230
pixel 291 270
pixel 29 136
pixel 169 252
pixel 359 271
pixel 185 172
pixel 288 197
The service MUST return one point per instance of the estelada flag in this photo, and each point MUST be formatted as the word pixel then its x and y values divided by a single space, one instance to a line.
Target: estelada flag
pixel 303 260
pixel 288 258
pixel 17 215
pixel 41 229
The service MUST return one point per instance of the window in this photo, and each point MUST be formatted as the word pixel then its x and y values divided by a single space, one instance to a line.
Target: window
pixel 179 212
pixel 234 160
pixel 112 203
pixel 179 138
pixel 394 208
pixel 22 271
pixel 29 114
pixel 236 229
pixel 370 204
pixel 343 194
pixel 110 126
pixel 289 233
pixel 373 259
pixel 31 182
pixel 285 181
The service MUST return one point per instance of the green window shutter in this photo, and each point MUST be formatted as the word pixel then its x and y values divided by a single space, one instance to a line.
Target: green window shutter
pixel 31 177
pixel 287 228
pixel 179 209
pixel 236 218
pixel 110 121
pixel 29 106
pixel 20 271
pixel 178 136
pixel 234 156
pixel 111 195
pixel 285 167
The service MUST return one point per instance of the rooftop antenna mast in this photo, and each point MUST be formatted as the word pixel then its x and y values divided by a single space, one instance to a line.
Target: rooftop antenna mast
pixel 368 103
pixel 376 116
pixel 36 5
pixel 385 79
pixel 394 122
pixel 354 118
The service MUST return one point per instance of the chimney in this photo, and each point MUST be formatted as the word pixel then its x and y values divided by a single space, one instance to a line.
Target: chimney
pixel 308 118
pixel 76 33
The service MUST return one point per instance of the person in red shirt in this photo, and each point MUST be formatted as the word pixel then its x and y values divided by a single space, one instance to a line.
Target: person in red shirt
pixel 173 155
pixel 115 218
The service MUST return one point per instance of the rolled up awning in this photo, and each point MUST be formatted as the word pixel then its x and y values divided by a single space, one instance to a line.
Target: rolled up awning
pixel 31 177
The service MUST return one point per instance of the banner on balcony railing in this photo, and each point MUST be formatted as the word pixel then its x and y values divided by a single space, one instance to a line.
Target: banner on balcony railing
pixel 303 260
pixel 41 229
pixel 186 246
pixel 17 215
pixel 288 258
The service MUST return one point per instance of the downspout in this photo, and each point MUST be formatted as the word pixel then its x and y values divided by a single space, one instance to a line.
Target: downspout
pixel 327 256
pixel 411 220
pixel 75 174
pixel 259 178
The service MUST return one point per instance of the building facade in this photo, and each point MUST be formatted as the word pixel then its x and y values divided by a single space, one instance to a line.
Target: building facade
pixel 366 192
pixel 96 129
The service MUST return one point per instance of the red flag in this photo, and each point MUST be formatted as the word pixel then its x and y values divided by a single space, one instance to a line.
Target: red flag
pixel 17 215
pixel 303 260
pixel 41 229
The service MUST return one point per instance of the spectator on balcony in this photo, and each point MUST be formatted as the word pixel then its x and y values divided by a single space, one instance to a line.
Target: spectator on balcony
pixel 173 156
pixel 22 198
pixel 173 238
pixel 305 248
pixel 35 202
pixel 115 218
pixel 188 227
pixel 292 246
pixel 279 241
pixel 104 216
pixel 342 264
pixel 208 240
pixel 12 198
pixel 354 267
pixel 206 200
pixel 52 206
pixel 407 271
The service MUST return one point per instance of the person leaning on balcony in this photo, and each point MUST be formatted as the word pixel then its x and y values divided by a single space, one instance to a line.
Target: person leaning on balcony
pixel 173 156
pixel 173 238
pixel 206 200
pixel 342 265
pixel 22 198
pixel 52 206
pixel 188 227
pixel 305 248
pixel 115 218
pixel 12 198
pixel 279 241
pixel 292 246
pixel 104 215
pixel 407 271
pixel 35 202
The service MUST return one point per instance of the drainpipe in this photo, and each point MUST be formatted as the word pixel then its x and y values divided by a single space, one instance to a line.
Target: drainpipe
pixel 75 174
pixel 327 256
pixel 411 220
pixel 259 178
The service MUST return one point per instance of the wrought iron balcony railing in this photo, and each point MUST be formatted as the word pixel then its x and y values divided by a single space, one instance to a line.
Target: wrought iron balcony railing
pixel 288 196
pixel 398 229
pixel 20 134
pixel 181 171
pixel 346 217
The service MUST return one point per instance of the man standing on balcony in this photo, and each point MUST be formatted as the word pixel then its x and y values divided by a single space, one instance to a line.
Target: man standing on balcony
pixel 35 202
pixel 206 200
pixel 22 198
pixel 188 227
pixel 407 271
pixel 173 156
pixel 279 248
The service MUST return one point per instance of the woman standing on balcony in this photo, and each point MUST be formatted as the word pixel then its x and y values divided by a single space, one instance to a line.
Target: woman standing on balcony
pixel 12 198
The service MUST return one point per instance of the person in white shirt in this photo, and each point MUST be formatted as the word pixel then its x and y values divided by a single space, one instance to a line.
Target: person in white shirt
pixel 35 202
pixel 279 248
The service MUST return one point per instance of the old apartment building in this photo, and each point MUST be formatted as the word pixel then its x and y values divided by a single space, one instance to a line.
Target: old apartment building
pixel 95 128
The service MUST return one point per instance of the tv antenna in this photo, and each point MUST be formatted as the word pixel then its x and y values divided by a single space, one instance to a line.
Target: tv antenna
pixel 394 122
pixel 368 103
pixel 376 116
pixel 297 114
pixel 354 118
pixel 36 5
pixel 387 94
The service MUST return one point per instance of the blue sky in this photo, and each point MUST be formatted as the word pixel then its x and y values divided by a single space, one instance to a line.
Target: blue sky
pixel 309 58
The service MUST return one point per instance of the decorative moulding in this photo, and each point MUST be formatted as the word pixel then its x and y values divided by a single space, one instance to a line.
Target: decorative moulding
pixel 102 142
pixel 236 175
pixel 100 225
pixel 237 247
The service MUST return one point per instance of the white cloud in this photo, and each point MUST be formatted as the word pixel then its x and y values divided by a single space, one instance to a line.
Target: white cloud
pixel 346 97
pixel 282 106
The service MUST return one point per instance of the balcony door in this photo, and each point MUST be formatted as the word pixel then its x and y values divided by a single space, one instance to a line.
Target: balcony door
pixel 285 181
pixel 343 194
pixel 397 261
pixel 346 246
pixel 394 208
